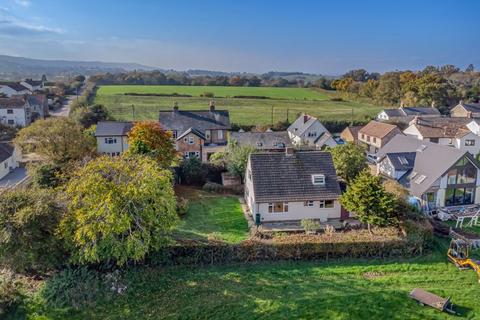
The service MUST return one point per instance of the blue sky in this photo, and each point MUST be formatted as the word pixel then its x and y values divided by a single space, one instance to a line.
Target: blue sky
pixel 328 37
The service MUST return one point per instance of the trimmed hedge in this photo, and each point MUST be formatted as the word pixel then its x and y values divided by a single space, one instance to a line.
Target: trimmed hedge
pixel 420 235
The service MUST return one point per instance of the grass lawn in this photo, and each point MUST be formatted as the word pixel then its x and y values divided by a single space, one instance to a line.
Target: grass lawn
pixel 287 290
pixel 474 229
pixel 210 215
pixel 287 103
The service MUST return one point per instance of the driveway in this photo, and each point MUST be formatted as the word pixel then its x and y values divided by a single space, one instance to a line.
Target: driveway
pixel 64 111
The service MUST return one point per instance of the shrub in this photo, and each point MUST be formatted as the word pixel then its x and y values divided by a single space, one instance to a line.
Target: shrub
pixel 194 172
pixel 182 206
pixel 47 176
pixel 10 295
pixel 208 95
pixel 213 187
pixel 310 225
pixel 76 288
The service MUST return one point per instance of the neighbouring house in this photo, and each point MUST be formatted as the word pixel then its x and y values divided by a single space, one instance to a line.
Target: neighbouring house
pixel 292 185
pixel 377 134
pixel 38 104
pixel 406 114
pixel 350 134
pixel 32 85
pixel 15 111
pixel 264 141
pixel 13 88
pixel 197 133
pixel 465 110
pixel 112 137
pixel 8 160
pixel 453 132
pixel 435 175
pixel 308 131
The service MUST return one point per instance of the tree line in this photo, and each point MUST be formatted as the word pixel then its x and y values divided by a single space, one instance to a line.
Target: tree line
pixel 441 87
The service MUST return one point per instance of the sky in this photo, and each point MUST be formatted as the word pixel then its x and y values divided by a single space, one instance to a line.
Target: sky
pixel 326 37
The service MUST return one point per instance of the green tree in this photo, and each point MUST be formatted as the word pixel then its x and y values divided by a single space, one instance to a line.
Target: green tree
pixel 371 203
pixel 349 160
pixel 237 158
pixel 148 138
pixel 56 140
pixel 120 208
pixel 194 171
pixel 389 89
pixel 91 115
pixel 28 220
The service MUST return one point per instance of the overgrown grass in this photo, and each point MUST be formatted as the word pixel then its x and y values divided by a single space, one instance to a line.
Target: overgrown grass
pixel 474 229
pixel 286 290
pixel 214 217
pixel 286 103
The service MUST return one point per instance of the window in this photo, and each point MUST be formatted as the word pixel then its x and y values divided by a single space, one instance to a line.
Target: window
pixel 403 160
pixel 312 134
pixel 197 154
pixel 374 140
pixel 278 207
pixel 469 142
pixel 110 140
pixel 326 204
pixel 10 121
pixel 259 144
pixel 207 134
pixel 220 134
pixel 189 139
pixel 434 140
pixel 368 138
pixel 186 155
pixel 459 196
pixel 463 173
pixel 420 179
pixel 5 165
pixel 174 134
pixel 318 179
pixel 249 174
pixel 363 136
pixel 308 203
pixel 9 111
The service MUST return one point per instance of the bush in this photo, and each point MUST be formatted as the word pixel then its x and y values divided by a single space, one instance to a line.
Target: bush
pixel 310 225
pixel 213 187
pixel 47 176
pixel 76 288
pixel 182 206
pixel 208 95
pixel 194 172
pixel 10 295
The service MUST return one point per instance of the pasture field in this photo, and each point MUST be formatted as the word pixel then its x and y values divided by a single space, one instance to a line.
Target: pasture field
pixel 374 289
pixel 286 105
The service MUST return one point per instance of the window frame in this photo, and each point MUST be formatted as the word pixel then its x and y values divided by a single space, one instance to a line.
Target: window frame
pixel 321 176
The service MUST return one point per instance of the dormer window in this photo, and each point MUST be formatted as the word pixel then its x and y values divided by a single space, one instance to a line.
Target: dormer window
pixel 259 144
pixel 318 179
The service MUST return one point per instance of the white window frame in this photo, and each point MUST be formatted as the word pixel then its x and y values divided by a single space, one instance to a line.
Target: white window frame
pixel 271 207
pixel 220 134
pixel 323 204
pixel 9 111
pixel 309 203
pixel 191 139
pixel 469 142
pixel 207 134
pixel 318 179
pixel 186 155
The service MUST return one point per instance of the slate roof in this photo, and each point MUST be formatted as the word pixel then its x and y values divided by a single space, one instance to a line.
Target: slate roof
pixel 113 128
pixel 37 99
pixel 402 161
pixel 262 140
pixel 280 177
pixel 431 161
pixel 17 102
pixel 14 85
pixel 6 151
pixel 412 111
pixel 182 120
pixel 470 107
pixel 299 126
pixel 378 129
pixel 442 127
pixel 194 131
pixel 33 83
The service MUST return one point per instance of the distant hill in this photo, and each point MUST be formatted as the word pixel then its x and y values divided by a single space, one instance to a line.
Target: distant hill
pixel 15 68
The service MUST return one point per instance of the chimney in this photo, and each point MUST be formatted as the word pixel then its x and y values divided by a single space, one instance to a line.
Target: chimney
pixel 305 118
pixel 469 114
pixel 461 102
pixel 433 104
pixel 289 151
pixel 175 106
pixel 212 105
pixel 402 104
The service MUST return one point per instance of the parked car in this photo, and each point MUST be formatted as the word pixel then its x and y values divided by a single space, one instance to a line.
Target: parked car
pixel 372 158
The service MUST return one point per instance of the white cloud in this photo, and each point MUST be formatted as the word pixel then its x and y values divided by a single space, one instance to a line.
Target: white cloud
pixel 23 3
pixel 13 26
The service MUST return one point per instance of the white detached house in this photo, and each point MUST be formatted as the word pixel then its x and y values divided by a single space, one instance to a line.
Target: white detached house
pixel 291 186
pixel 309 131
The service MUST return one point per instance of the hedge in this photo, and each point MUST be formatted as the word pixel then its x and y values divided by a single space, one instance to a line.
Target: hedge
pixel 418 239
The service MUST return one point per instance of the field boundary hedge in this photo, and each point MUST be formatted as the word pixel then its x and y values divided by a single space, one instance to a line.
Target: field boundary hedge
pixel 418 239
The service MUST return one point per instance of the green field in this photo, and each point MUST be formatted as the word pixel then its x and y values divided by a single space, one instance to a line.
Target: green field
pixel 346 289
pixel 285 104
pixel 213 216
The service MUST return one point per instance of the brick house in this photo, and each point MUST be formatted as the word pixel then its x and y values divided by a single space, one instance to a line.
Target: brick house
pixel 377 134
pixel 197 133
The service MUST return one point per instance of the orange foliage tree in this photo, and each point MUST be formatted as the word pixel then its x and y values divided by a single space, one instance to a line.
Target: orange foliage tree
pixel 148 138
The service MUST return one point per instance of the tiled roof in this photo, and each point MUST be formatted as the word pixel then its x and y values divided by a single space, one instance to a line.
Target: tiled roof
pixel 412 111
pixel 6 151
pixel 442 127
pixel 17 102
pixel 182 120
pixel 378 129
pixel 194 131
pixel 281 177
pixel 262 140
pixel 113 128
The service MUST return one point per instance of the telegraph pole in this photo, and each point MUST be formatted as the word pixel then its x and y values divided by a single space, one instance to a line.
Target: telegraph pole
pixel 272 116
pixel 133 112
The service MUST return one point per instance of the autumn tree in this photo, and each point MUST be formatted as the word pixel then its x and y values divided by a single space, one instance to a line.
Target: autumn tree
pixel 90 115
pixel 369 201
pixel 349 160
pixel 148 138
pixel 120 208
pixel 57 140
pixel 28 221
